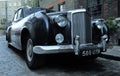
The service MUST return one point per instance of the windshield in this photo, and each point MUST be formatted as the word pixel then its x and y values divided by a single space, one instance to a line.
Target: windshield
pixel 31 10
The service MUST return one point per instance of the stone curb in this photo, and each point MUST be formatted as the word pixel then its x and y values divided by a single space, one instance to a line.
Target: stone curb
pixel 112 57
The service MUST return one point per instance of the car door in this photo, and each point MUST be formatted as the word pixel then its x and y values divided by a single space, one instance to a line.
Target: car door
pixel 15 28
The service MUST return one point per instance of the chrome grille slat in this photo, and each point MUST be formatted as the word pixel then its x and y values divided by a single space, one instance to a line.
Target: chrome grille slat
pixel 80 25
pixel 78 28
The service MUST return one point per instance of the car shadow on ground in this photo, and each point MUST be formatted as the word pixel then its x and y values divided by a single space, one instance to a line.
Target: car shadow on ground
pixel 17 52
pixel 65 62
pixel 73 63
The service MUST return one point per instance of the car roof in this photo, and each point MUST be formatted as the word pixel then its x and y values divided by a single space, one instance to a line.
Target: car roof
pixel 29 10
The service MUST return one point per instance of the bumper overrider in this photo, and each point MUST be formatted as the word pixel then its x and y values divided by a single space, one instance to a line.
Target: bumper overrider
pixel 78 49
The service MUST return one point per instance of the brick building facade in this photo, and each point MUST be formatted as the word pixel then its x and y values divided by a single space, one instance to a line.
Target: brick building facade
pixel 100 8
pixel 111 8
pixel 45 3
pixel 97 8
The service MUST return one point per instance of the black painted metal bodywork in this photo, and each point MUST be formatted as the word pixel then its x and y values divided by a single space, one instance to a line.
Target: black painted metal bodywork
pixel 39 24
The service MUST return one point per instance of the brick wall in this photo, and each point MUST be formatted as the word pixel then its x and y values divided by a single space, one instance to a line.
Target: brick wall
pixel 45 3
pixel 118 8
pixel 80 3
pixel 110 8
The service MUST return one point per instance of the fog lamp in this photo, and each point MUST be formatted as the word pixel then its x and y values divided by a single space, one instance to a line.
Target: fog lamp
pixel 59 38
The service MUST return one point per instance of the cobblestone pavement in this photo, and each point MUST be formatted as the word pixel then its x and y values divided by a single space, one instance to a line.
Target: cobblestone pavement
pixel 12 63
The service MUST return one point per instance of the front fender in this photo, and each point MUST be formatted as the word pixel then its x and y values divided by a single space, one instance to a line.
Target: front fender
pixel 40 28
pixel 98 31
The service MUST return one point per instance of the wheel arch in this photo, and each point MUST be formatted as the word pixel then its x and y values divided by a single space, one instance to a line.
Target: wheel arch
pixel 8 34
pixel 41 29
pixel 25 34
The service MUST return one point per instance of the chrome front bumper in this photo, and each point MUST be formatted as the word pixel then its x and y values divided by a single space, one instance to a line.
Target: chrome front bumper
pixel 52 49
pixel 63 48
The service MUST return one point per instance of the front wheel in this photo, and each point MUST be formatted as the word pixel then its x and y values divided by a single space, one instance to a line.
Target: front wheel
pixel 32 59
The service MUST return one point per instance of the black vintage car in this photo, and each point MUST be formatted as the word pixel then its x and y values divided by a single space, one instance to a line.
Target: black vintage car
pixel 39 31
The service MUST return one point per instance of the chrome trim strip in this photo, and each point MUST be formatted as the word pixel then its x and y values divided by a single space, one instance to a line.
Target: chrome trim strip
pixel 77 10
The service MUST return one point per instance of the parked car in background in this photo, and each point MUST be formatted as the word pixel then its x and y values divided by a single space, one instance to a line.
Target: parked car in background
pixel 39 31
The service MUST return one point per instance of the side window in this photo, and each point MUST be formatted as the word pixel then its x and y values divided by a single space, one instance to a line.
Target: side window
pixel 15 17
pixel 18 15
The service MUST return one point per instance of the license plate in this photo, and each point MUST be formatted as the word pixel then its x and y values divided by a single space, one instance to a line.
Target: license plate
pixel 90 52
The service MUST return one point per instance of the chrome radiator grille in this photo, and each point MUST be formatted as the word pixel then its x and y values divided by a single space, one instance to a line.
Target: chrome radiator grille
pixel 81 25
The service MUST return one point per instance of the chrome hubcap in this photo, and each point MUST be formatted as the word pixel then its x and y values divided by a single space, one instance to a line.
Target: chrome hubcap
pixel 29 50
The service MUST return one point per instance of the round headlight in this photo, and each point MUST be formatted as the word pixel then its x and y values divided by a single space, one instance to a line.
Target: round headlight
pixel 61 21
pixel 59 38
pixel 99 26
